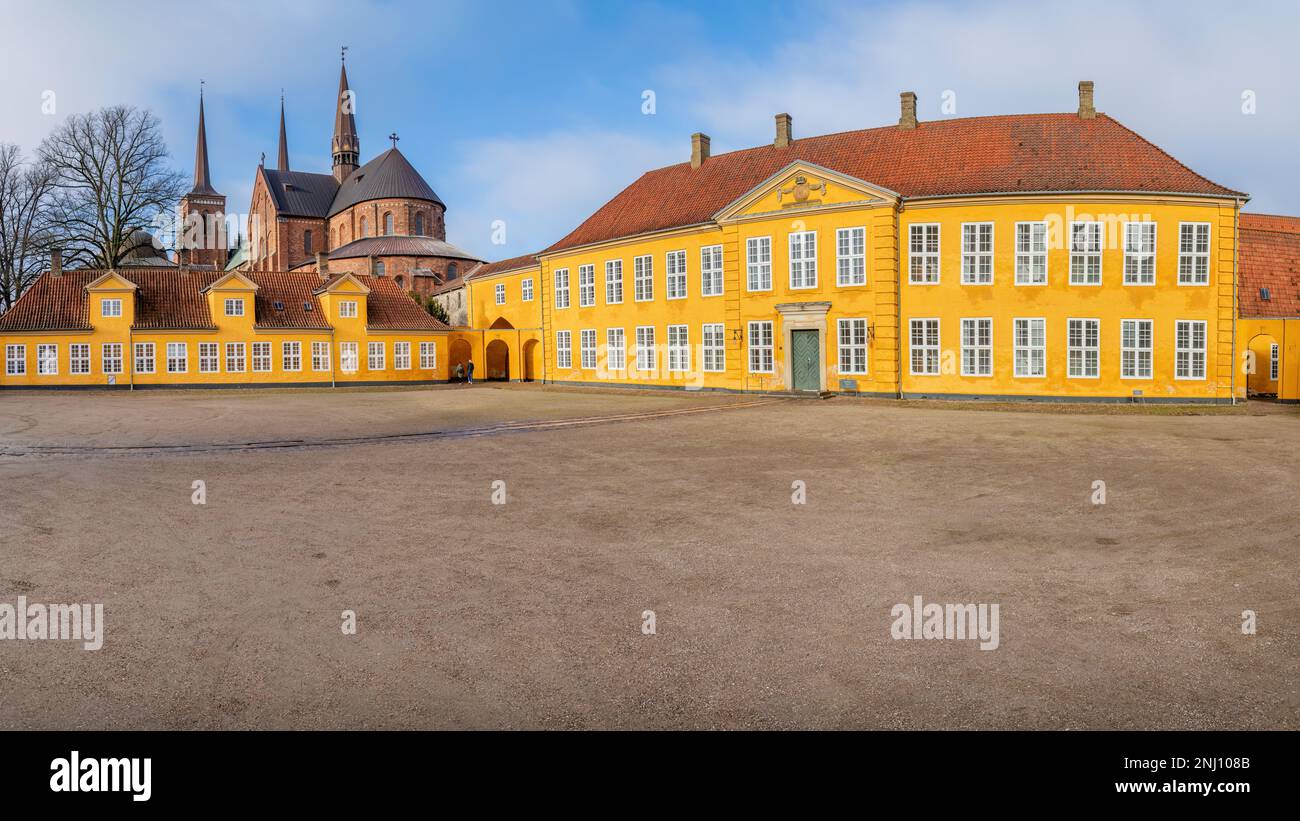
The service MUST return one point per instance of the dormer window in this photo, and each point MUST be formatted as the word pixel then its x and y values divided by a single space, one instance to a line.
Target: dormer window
pixel 111 307
pixel 348 309
pixel 279 306
pixel 234 307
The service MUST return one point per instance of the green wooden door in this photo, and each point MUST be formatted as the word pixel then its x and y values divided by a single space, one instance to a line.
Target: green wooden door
pixel 806 361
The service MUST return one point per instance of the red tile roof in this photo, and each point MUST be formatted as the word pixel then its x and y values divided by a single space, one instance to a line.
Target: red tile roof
pixel 167 299
pixel 974 155
pixel 1270 258
pixel 514 263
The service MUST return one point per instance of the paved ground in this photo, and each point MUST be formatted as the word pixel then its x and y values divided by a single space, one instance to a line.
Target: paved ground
pixel 769 614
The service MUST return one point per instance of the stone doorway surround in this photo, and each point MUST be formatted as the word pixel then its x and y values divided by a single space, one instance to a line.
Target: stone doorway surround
pixel 802 316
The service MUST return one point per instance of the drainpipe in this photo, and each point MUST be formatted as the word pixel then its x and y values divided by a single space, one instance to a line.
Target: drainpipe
pixel 129 355
pixel 1236 240
pixel 333 367
pixel 899 336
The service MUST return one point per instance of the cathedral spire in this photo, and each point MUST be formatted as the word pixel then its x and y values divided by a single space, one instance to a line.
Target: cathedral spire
pixel 346 145
pixel 202 178
pixel 284 141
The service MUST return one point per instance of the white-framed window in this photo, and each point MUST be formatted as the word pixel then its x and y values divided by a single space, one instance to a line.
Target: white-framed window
pixel 758 263
pixel 79 358
pixel 349 357
pixel 977 347
pixel 178 357
pixel 587 348
pixel 1085 253
pixel 402 356
pixel 711 270
pixel 564 349
pixel 1136 337
pixel 1274 359
pixel 977 253
pixel 110 307
pixel 1194 253
pixel 615 349
pixel 1030 346
pixel 643 278
pixel 679 349
pixel 646 355
pixel 1189 349
pixel 715 347
pixel 803 259
pixel 500 293
pixel 1139 253
pixel 144 357
pixel 110 354
pixel 925 347
pixel 234 306
pixel 234 357
pixel 852 336
pixel 923 253
pixel 261 357
pixel 47 360
pixel 320 356
pixel 348 309
pixel 1031 253
pixel 613 281
pixel 16 360
pixel 209 357
pixel 291 356
pixel 675 263
pixel 1083 348
pixel 586 285
pixel 850 256
pixel 561 287
pixel 428 356
pixel 761 358
pixel 526 290
pixel 375 356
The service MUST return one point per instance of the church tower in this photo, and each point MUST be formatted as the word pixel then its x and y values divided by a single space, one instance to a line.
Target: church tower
pixel 203 212
pixel 346 145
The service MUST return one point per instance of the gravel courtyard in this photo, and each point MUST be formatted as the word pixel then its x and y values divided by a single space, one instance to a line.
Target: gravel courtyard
pixel 529 614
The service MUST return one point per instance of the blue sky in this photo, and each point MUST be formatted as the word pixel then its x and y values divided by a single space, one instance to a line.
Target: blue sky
pixel 532 112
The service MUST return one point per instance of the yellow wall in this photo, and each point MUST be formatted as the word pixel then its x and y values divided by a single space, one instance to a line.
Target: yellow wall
pixel 1255 338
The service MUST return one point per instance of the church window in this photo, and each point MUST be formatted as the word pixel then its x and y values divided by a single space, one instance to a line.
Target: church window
pixel 388 224
pixel 379 268
pixel 363 226
pixel 451 270
pixel 419 224
pixel 306 242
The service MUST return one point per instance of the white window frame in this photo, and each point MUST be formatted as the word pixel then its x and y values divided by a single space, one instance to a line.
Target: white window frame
pixel 977 346
pixel 1085 253
pixel 977 253
pixel 643 278
pixel 15 360
pixel 526 290
pixel 564 350
pixel 234 306
pixel 236 354
pixel 758 264
pixel 615 349
pixel 613 282
pixel 1274 361
pixel 851 257
pixel 259 355
pixel 401 356
pixel 47 365
pixel 347 309
pixel 110 357
pixel 587 349
pixel 1130 341
pixel 428 356
pixel 647 356
pixel 500 293
pixel 561 288
pixel 349 357
pixel 1136 253
pixel 762 347
pixel 320 356
pixel 586 285
pixel 711 270
pixel 713 350
pixel 111 308
pixel 1188 259
pixel 290 356
pixel 851 346
pixel 1029 348
pixel 181 363
pixel 803 260
pixel 79 358
pixel 926 348
pixel 1078 350
pixel 209 357
pixel 920 256
pixel 679 349
pixel 376 355
pixel 145 359
pixel 1189 351
pixel 1031 249
pixel 675 279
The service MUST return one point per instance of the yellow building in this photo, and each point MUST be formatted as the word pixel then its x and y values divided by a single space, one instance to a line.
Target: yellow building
pixel 1268 331
pixel 1052 256
pixel 143 328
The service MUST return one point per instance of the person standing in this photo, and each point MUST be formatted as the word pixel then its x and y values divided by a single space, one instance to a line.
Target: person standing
pixel 469 371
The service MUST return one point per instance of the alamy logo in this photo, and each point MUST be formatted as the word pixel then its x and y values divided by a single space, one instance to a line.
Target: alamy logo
pixel 946 621
pixel 76 622
pixel 75 774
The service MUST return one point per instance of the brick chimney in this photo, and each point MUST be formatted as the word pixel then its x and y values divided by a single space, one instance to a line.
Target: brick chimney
pixel 907 116
pixel 56 262
pixel 699 149
pixel 1086 109
pixel 784 131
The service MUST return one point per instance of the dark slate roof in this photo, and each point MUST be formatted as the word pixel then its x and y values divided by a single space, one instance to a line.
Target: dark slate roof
pixel 301 193
pixel 388 176
pixel 512 264
pixel 400 246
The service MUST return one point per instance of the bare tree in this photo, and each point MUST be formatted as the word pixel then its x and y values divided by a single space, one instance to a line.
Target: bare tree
pixel 25 193
pixel 112 178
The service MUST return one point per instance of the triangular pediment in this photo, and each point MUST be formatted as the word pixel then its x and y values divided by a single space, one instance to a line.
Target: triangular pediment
pixel 345 284
pixel 111 281
pixel 804 186
pixel 233 281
